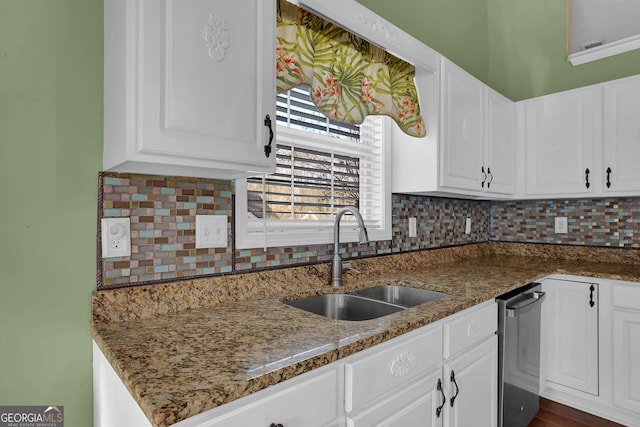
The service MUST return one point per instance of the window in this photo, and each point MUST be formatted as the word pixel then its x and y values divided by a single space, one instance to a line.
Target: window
pixel 321 166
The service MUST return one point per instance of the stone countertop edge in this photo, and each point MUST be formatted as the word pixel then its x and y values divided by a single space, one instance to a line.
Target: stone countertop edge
pixel 182 349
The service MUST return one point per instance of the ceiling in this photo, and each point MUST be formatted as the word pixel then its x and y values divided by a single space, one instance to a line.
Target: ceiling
pixel 603 21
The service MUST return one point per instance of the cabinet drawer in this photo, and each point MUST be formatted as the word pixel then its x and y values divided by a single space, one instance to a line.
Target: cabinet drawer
pixel 626 296
pixel 469 327
pixel 380 371
pixel 307 402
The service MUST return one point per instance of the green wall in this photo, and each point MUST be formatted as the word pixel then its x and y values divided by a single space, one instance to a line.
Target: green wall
pixel 50 153
pixel 518 47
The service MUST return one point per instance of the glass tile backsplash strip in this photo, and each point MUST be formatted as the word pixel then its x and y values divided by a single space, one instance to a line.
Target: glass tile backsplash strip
pixel 163 209
pixel 608 222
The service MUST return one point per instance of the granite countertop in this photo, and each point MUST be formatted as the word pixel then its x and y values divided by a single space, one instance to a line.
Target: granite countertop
pixel 181 363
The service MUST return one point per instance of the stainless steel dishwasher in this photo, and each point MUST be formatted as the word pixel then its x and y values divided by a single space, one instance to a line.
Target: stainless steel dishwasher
pixel 519 355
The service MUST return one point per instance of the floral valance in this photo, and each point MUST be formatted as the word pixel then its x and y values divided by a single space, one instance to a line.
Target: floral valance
pixel 350 78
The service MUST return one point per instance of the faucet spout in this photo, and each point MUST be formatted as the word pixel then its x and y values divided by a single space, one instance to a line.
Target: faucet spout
pixel 336 263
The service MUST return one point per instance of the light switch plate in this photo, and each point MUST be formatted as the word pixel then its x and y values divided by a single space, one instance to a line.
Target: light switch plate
pixel 467 226
pixel 211 231
pixel 116 237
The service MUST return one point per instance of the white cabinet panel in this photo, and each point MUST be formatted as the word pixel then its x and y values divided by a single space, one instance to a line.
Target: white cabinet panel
pixel 500 149
pixel 621 136
pixel 412 406
pixel 469 327
pixel 626 359
pixel 188 86
pixel 570 329
pixel 472 381
pixel 381 369
pixel 462 130
pixel 560 136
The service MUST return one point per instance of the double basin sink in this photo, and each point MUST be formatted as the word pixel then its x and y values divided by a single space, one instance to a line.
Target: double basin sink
pixel 366 304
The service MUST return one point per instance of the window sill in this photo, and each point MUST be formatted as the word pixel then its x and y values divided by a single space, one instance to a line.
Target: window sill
pixel 604 51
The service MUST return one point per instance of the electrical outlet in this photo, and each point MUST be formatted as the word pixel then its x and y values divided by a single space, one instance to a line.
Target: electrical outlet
pixel 211 231
pixel 116 237
pixel 561 225
pixel 467 226
pixel 413 231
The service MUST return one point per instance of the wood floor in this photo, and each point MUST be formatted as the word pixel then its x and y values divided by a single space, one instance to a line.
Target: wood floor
pixel 553 414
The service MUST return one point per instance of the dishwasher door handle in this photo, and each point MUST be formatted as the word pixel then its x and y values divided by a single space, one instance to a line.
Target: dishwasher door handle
pixel 536 298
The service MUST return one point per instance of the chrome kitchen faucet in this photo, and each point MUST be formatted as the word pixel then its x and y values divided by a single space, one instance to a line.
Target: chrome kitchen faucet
pixel 336 264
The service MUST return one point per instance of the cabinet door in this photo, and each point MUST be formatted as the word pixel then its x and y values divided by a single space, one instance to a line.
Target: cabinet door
pixel 625 345
pixel 500 148
pixel 626 354
pixel 411 406
pixel 622 135
pixel 472 381
pixel 570 330
pixel 462 131
pixel 560 137
pixel 188 84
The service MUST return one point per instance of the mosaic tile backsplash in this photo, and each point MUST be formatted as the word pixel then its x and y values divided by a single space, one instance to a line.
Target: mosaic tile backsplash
pixel 163 210
pixel 613 222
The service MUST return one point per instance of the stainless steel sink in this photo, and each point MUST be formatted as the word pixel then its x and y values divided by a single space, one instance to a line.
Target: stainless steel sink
pixel 345 307
pixel 404 296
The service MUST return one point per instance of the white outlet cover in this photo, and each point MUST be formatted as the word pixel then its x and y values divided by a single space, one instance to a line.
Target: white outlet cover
pixel 467 226
pixel 413 232
pixel 211 231
pixel 116 237
pixel 561 225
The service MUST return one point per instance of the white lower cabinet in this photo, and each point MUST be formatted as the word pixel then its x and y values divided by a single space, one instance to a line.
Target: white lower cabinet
pixel 592 352
pixel 458 388
pixel 625 319
pixel 472 381
pixel 571 314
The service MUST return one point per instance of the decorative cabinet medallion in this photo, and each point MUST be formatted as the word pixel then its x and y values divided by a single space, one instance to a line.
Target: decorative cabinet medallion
pixel 217 37
pixel 402 364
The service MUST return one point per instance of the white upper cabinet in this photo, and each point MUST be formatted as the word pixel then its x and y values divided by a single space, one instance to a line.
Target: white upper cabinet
pixel 462 131
pixel 188 86
pixel 470 149
pixel 621 153
pixel 560 135
pixel 500 148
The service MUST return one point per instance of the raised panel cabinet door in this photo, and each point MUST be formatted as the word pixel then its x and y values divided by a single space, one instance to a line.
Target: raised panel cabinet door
pixel 500 147
pixel 462 132
pixel 189 84
pixel 570 332
pixel 472 383
pixel 621 136
pixel 560 137
pixel 626 359
pixel 415 405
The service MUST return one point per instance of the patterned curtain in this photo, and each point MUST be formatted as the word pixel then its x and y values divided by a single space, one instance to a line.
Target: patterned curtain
pixel 350 78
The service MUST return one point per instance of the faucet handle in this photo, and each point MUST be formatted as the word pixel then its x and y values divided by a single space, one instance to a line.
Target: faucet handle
pixel 348 266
